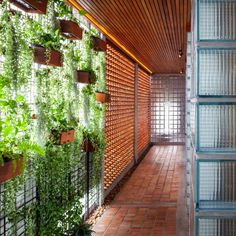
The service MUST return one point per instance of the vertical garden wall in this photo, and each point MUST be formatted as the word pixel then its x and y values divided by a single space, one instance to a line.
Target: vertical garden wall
pixel 51 124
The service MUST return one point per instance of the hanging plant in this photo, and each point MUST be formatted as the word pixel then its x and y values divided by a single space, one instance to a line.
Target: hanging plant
pixel 11 169
pixel 15 143
pixel 61 136
pixel 70 30
pixel 58 103
pixel 45 56
pixel 93 140
pixel 86 76
pixel 102 97
pixel 46 45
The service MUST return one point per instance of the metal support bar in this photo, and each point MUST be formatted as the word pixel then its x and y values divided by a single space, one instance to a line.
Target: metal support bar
pixel 136 113
pixel 87 183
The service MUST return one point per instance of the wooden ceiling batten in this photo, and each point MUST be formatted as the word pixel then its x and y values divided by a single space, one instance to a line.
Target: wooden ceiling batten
pixel 75 4
pixel 153 31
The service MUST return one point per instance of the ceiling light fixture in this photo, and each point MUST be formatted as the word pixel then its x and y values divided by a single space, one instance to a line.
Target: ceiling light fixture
pixel 104 31
pixel 180 53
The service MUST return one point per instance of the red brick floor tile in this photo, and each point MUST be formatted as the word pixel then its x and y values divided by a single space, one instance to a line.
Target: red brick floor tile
pixel 135 210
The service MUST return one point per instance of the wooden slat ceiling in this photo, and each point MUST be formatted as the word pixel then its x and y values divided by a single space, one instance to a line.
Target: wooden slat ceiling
pixel 153 30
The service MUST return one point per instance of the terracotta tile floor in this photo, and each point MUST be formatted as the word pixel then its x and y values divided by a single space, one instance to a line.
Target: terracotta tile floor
pixel 147 203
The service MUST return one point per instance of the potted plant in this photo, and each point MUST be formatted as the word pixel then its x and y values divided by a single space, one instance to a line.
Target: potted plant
pixel 100 87
pixel 63 133
pixel 46 46
pixel 99 45
pixel 92 140
pixel 83 229
pixel 10 169
pixel 31 6
pixel 45 56
pixel 47 49
pixel 102 97
pixel 67 136
pixel 13 156
pixel 70 29
pixel 15 144
pixel 85 76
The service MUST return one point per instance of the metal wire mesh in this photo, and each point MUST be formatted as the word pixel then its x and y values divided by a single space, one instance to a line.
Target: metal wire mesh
pixel 216 227
pixel 168 109
pixel 217 128
pixel 217 187
pixel 24 197
pixel 217 75
pixel 217 19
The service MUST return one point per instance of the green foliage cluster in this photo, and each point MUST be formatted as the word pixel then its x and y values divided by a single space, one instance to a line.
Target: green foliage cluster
pixel 51 95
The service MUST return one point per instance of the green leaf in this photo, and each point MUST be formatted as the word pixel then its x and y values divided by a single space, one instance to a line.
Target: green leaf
pixel 7 130
pixel 20 98
pixel 82 12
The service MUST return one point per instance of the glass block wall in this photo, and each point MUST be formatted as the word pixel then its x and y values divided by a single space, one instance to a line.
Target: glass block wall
pixel 216 72
pixel 168 109
pixel 216 127
pixel 214 117
pixel 213 226
pixel 217 188
pixel 216 20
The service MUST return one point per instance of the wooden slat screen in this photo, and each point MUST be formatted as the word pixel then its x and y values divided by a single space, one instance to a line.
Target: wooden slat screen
pixel 119 125
pixel 143 110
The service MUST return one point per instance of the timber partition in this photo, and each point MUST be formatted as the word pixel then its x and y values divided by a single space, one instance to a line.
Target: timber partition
pixel 127 115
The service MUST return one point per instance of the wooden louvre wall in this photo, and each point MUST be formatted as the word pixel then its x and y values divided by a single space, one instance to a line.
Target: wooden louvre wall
pixel 119 125
pixel 143 110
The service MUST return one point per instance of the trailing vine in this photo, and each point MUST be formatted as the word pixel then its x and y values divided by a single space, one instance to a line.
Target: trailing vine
pixel 37 104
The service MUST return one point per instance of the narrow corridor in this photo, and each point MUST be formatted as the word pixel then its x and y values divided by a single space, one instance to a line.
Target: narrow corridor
pixel 148 202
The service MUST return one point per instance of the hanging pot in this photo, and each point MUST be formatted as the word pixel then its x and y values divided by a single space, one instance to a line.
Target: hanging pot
pixel 84 77
pixel 67 137
pixel 102 97
pixel 71 30
pixel 47 57
pixel 31 6
pixel 10 170
pixel 99 45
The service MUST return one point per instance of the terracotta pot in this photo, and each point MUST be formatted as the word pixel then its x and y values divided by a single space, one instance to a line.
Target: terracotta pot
pixel 71 30
pixel 83 77
pixel 99 45
pixel 31 6
pixel 87 146
pixel 54 58
pixel 67 137
pixel 102 97
pixel 9 171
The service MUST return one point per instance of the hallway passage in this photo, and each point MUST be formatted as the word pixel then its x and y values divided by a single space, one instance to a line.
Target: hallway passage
pixel 151 202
